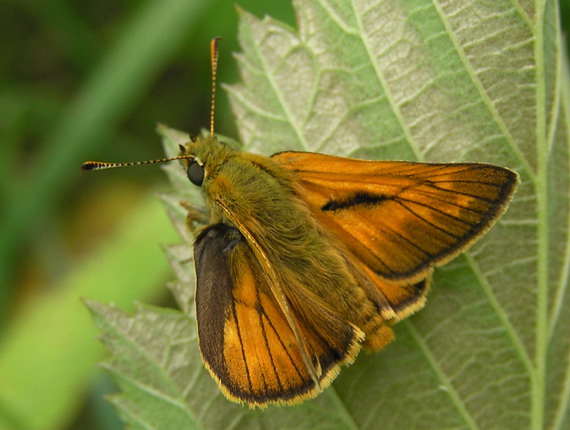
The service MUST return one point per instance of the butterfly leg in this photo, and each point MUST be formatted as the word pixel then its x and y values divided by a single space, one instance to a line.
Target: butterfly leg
pixel 196 217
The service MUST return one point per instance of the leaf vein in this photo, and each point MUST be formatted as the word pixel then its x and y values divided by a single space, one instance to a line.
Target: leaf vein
pixel 517 342
pixel 445 381
pixel 484 96
pixel 384 85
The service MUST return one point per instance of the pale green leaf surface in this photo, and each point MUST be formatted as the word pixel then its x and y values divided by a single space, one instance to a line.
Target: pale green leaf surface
pixel 400 79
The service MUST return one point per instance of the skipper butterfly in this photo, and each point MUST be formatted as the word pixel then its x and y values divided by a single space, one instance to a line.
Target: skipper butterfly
pixel 302 259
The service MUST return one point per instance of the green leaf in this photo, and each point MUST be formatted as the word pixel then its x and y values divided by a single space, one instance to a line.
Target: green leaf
pixel 452 80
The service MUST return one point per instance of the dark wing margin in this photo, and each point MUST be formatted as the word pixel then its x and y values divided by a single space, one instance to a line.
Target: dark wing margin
pixel 214 299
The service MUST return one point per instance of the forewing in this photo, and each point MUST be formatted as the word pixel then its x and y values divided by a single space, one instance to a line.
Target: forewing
pixel 400 218
pixel 245 340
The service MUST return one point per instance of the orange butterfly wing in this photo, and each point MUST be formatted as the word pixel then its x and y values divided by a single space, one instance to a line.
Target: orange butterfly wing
pixel 401 218
pixel 245 339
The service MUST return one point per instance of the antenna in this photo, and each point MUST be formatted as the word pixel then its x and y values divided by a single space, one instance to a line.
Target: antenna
pixel 100 165
pixel 214 59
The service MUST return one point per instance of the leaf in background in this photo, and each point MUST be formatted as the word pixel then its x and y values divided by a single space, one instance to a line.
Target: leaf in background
pixel 447 81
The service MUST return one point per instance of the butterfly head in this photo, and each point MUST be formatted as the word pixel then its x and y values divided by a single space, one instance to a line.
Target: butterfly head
pixel 202 157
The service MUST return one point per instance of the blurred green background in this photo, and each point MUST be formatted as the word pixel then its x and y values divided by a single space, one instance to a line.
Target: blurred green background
pixel 89 80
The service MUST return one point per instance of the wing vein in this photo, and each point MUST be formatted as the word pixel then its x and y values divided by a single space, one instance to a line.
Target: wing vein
pixel 236 319
pixel 262 319
pixel 440 212
pixel 427 221
pixel 283 345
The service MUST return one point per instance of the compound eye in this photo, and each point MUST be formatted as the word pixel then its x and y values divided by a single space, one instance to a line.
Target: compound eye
pixel 195 173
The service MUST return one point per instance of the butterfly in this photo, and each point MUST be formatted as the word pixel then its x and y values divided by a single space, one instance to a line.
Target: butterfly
pixel 303 259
